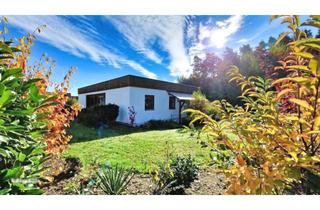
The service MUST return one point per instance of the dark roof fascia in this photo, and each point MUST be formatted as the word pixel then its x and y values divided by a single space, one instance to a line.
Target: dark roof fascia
pixel 136 81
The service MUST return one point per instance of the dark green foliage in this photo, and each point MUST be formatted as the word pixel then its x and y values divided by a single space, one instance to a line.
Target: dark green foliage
pixel 98 115
pixel 184 170
pixel 312 182
pixel 174 176
pixel 200 102
pixel 21 129
pixel 248 62
pixel 213 82
pixel 209 73
pixel 308 184
pixel 114 180
pixel 222 158
pixel 161 124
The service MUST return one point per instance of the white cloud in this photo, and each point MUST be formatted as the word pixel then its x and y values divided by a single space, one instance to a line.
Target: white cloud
pixel 65 36
pixel 141 69
pixel 218 36
pixel 209 35
pixel 243 41
pixel 143 32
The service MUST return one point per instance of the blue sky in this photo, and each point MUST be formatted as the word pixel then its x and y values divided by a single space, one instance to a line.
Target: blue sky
pixel 159 47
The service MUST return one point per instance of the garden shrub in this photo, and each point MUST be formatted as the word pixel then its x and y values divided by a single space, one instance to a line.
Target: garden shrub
pixel 201 103
pixel 160 124
pixel 48 113
pixel 22 149
pixel 184 170
pixel 173 176
pixel 111 112
pixel 98 115
pixel 272 148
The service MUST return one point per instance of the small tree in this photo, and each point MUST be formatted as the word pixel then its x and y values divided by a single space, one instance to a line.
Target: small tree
pixel 132 115
pixel 61 113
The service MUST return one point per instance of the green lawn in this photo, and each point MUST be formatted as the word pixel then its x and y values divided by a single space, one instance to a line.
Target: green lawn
pixel 131 147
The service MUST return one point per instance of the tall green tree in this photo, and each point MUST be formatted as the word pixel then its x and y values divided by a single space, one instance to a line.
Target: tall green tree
pixel 204 73
pixel 248 62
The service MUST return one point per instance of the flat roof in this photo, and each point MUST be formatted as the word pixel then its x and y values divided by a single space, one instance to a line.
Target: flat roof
pixel 136 81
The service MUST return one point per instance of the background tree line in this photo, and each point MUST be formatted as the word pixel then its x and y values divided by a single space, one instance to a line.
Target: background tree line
pixel 209 73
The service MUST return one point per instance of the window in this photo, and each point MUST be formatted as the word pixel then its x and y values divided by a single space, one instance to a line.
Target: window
pixel 96 100
pixel 149 102
pixel 172 102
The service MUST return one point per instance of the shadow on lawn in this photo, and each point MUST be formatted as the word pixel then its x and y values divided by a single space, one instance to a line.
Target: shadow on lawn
pixel 81 133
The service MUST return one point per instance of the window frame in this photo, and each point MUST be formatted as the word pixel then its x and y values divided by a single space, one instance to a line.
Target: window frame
pixel 95 100
pixel 145 103
pixel 172 103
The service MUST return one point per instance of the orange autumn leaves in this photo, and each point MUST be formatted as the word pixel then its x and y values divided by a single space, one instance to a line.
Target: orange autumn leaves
pixel 64 110
pixel 61 114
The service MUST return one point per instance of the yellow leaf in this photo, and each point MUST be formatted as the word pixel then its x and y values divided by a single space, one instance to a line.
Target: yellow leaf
pixel 281 37
pixel 294 156
pixel 313 65
pixel 269 116
pixel 317 121
pixel 298 67
pixel 283 92
pixel 293 118
pixel 294 79
pixel 304 55
pixel 313 132
pixel 317 159
pixel 252 129
pixel 301 103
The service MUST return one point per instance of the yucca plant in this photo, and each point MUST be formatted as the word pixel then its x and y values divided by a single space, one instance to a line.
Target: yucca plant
pixel 114 180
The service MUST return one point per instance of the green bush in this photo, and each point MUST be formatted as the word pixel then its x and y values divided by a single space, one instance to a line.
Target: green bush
pixel 174 176
pixel 161 124
pixel 95 116
pixel 21 129
pixel 184 170
pixel 201 103
pixel 114 180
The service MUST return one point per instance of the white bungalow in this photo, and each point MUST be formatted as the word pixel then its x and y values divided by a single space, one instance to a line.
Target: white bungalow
pixel 151 99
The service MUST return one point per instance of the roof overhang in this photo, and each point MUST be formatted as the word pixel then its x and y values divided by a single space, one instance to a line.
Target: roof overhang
pixel 182 96
pixel 135 81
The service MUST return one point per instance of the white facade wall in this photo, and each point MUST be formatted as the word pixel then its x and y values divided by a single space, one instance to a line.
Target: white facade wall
pixel 120 97
pixel 161 105
pixel 135 96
